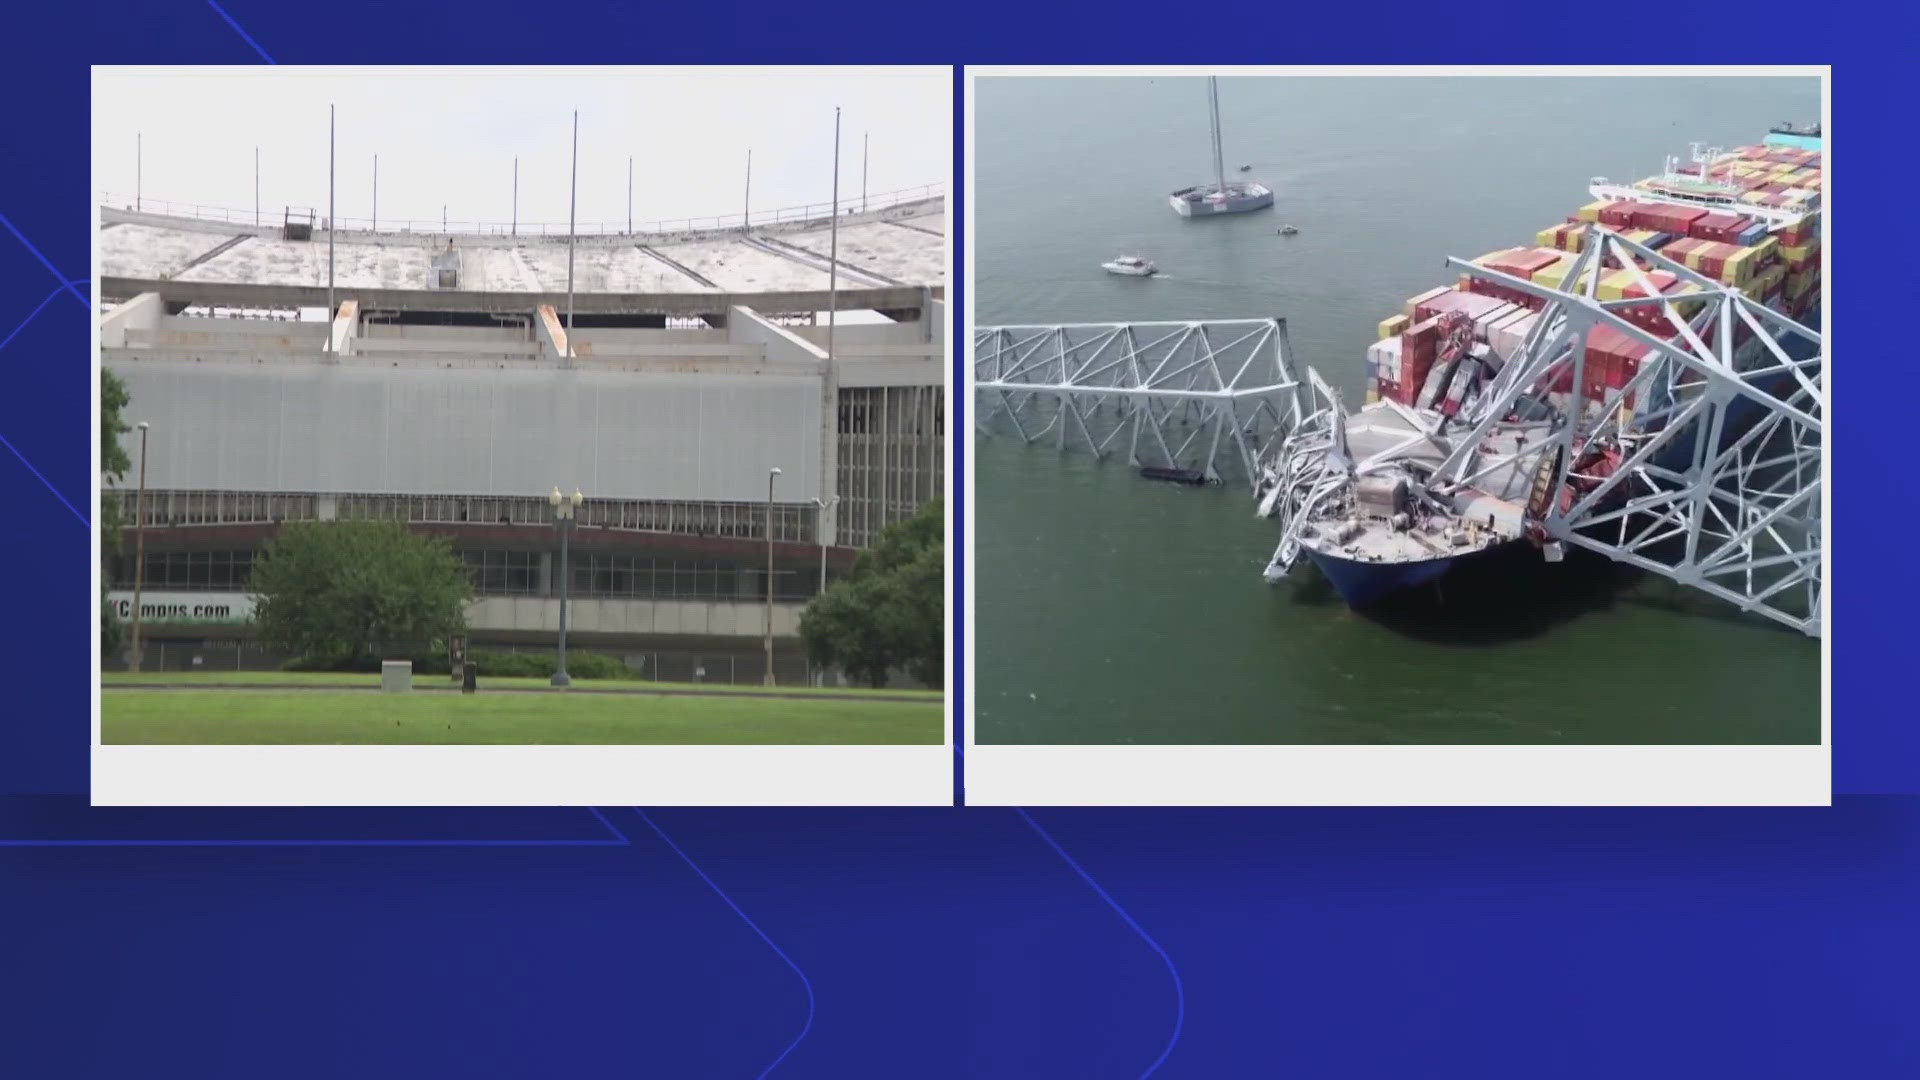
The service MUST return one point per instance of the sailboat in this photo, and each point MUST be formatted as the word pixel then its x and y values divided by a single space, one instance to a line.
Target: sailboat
pixel 1220 197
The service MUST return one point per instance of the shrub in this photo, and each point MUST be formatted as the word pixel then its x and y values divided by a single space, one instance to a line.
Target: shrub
pixel 488 663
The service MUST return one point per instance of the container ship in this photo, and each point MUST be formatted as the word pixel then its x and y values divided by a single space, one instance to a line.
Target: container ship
pixel 1390 496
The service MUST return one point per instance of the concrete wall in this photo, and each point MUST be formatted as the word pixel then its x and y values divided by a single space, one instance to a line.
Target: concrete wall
pixel 376 428
pixel 142 313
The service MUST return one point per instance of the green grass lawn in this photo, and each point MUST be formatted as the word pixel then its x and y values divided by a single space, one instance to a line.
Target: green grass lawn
pixel 371 679
pixel 324 716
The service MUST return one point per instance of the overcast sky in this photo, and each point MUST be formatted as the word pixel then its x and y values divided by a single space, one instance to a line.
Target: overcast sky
pixel 450 136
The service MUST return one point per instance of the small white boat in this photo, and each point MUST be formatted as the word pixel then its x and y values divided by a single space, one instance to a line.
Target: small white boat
pixel 1130 266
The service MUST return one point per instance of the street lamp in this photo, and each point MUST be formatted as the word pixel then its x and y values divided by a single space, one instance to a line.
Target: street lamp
pixel 139 546
pixel 563 508
pixel 820 530
pixel 771 473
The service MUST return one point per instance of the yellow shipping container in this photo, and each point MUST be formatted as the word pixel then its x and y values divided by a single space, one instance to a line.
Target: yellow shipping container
pixel 1551 276
pixel 1392 325
pixel 1764 248
pixel 1547 237
pixel 1591 211
pixel 1737 267
pixel 1799 255
pixel 1613 285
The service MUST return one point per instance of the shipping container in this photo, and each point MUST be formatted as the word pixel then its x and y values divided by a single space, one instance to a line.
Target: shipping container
pixel 1414 302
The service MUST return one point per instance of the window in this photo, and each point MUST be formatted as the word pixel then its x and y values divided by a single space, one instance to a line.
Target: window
pixel 219 571
pixel 503 573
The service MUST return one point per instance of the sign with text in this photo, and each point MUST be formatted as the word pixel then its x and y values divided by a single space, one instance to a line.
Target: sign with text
pixel 183 606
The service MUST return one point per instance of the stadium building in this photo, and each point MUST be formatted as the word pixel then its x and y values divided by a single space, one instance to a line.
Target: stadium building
pixel 434 380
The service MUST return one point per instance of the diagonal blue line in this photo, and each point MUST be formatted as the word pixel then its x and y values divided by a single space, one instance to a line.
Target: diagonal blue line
pixel 756 929
pixel 30 318
pixel 36 472
pixel 603 820
pixel 3 438
pixel 48 263
pixel 248 38
pixel 1179 991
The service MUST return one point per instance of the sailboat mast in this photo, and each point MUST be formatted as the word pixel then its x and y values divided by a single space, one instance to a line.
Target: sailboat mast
pixel 1213 101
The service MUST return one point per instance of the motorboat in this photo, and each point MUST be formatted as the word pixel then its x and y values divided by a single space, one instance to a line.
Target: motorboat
pixel 1129 266
pixel 1288 230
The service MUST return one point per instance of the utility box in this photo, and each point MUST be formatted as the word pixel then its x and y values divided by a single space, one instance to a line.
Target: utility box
pixel 296 224
pixel 468 673
pixel 396 676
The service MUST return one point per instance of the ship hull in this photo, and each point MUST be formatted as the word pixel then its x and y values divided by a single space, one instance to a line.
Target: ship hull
pixel 1186 204
pixel 1362 584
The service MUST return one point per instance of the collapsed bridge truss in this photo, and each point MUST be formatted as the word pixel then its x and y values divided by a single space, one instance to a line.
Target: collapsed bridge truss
pixel 1213 396
pixel 1704 466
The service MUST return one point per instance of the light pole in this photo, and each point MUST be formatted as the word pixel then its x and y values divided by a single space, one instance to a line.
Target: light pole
pixel 139 547
pixel 820 530
pixel 771 473
pixel 563 508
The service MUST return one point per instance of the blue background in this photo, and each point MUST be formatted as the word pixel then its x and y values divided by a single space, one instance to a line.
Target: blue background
pixel 966 942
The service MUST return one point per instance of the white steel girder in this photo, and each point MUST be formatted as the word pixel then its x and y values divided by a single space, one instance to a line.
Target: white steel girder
pixel 1192 395
pixel 1706 466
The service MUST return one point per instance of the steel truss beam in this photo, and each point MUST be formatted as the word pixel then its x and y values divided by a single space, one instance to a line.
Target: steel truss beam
pixel 1713 454
pixel 1216 396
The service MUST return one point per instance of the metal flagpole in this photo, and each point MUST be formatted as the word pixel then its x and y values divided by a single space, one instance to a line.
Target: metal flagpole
pixel 376 193
pixel 746 205
pixel 833 243
pixel 256 187
pixel 863 171
pixel 516 195
pixel 572 200
pixel 629 195
pixel 833 286
pixel 330 228
pixel 139 167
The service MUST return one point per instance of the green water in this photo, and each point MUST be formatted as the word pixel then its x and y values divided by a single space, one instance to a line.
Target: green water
pixel 1115 610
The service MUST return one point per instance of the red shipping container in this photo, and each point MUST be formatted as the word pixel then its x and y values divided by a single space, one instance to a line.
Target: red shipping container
pixel 1472 305
pixel 1522 262
pixel 1678 250
pixel 1661 279
pixel 1618 214
pixel 1418 345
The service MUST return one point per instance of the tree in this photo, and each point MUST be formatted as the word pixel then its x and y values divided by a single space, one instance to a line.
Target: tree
pixel 113 468
pixel 340 592
pixel 890 613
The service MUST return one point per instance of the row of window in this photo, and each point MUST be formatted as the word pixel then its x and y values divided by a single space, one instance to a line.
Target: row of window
pixel 510 573
pixel 215 571
pixel 886 472
pixel 795 523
